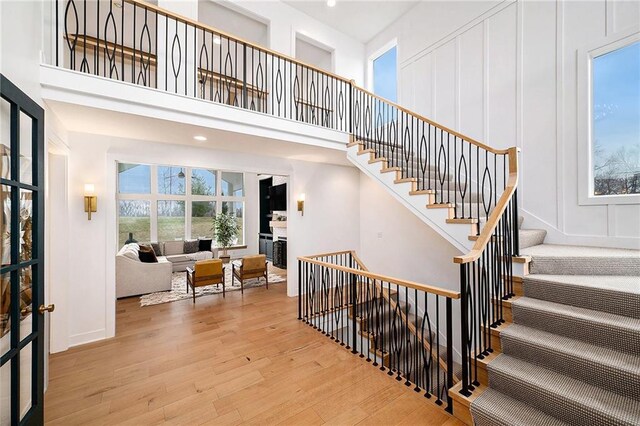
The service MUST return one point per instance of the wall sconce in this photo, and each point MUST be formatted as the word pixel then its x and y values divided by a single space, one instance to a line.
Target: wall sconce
pixel 301 204
pixel 90 199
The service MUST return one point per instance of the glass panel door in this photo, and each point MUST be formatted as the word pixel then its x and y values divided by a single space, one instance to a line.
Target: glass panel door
pixel 22 245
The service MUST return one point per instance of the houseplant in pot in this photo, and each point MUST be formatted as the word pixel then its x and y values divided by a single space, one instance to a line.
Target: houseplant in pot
pixel 225 227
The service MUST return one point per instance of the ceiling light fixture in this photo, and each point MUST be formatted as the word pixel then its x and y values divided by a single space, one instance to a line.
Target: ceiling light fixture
pixel 331 3
pixel 217 40
pixel 200 138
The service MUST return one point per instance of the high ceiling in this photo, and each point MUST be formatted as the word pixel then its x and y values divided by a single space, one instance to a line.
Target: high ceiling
pixel 361 20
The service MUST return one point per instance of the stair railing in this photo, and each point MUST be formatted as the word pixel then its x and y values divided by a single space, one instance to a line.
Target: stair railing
pixel 370 315
pixel 486 279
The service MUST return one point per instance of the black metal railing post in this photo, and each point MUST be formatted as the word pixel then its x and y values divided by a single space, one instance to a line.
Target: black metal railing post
pixel 354 316
pixel 464 330
pixel 515 225
pixel 299 289
pixel 449 353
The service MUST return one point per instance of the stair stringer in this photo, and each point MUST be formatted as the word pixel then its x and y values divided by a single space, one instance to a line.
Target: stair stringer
pixel 455 233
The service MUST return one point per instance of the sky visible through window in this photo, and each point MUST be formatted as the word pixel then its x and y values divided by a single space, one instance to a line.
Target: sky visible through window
pixel 385 79
pixel 616 121
pixel 134 178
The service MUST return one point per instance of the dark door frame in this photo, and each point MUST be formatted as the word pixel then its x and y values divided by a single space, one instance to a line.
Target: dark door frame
pixel 20 102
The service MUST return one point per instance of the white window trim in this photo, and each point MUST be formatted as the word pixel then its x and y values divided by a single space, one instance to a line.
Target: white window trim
pixel 584 114
pixel 188 198
pixel 375 55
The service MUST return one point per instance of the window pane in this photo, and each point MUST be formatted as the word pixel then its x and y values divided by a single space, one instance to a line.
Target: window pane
pixel 203 182
pixel 134 178
pixel 5 139
pixel 134 219
pixel 232 184
pixel 170 220
pixel 236 208
pixel 616 121
pixel 171 180
pixel 202 213
pixel 26 225
pixel 26 144
pixel 385 75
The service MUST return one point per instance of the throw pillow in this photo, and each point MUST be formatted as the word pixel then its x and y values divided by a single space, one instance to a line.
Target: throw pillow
pixel 191 246
pixel 204 244
pixel 147 255
pixel 156 249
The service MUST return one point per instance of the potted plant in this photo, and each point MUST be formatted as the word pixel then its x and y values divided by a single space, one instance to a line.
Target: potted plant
pixel 225 227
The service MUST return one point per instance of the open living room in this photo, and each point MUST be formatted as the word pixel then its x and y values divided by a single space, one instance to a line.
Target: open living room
pixel 315 212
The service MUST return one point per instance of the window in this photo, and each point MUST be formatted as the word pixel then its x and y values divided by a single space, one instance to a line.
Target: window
pixel 170 220
pixel 168 203
pixel 236 209
pixel 203 182
pixel 615 121
pixel 202 213
pixel 134 218
pixel 232 185
pixel 171 180
pixel 134 178
pixel 385 75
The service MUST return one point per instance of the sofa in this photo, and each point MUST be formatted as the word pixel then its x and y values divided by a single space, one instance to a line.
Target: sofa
pixel 134 277
pixel 183 254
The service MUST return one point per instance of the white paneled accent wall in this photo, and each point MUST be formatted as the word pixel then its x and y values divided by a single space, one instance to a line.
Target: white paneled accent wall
pixel 505 73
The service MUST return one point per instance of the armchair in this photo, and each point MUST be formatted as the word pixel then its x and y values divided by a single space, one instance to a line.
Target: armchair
pixel 205 272
pixel 250 267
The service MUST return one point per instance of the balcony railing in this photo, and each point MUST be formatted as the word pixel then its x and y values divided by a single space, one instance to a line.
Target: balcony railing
pixel 401 327
pixel 139 43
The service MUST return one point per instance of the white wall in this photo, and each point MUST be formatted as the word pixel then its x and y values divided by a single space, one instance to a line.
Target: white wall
pixel 505 73
pixel 329 223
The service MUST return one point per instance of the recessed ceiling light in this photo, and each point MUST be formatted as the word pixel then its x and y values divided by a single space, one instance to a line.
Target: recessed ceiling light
pixel 216 40
pixel 331 3
pixel 200 138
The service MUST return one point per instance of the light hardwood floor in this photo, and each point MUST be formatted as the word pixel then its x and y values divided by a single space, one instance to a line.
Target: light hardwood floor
pixel 225 361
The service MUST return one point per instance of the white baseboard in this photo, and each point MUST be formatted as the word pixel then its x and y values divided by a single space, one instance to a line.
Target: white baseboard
pixel 88 337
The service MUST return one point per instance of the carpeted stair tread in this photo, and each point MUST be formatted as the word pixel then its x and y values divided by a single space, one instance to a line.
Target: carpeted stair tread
pixel 615 371
pixel 560 396
pixel 493 408
pixel 618 295
pixel 531 237
pixel 598 328
pixel 579 260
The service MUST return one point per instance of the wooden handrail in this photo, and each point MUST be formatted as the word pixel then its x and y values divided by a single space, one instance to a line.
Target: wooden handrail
pixel 216 31
pixel 487 231
pixel 333 253
pixel 410 284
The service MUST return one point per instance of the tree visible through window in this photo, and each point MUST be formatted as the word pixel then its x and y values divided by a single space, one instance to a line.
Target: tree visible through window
pixel 616 121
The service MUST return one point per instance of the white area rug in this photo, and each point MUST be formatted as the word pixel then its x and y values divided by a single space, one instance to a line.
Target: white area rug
pixel 179 288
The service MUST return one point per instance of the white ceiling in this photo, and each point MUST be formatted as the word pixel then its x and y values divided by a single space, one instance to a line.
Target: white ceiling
pixel 361 20
pixel 82 119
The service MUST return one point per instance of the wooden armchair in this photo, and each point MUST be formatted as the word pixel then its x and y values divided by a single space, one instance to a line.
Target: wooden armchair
pixel 250 267
pixel 207 272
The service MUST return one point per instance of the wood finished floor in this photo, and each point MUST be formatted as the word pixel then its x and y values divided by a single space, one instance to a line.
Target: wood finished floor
pixel 225 361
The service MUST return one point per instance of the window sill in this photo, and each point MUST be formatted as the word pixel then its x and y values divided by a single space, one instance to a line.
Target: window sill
pixel 605 200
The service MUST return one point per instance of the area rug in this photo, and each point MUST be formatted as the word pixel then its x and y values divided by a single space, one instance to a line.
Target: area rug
pixel 179 288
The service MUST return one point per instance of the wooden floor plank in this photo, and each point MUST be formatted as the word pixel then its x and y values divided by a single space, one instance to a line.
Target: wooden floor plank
pixel 238 360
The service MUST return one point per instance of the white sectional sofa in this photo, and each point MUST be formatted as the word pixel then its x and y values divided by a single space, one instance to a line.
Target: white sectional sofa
pixel 134 277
